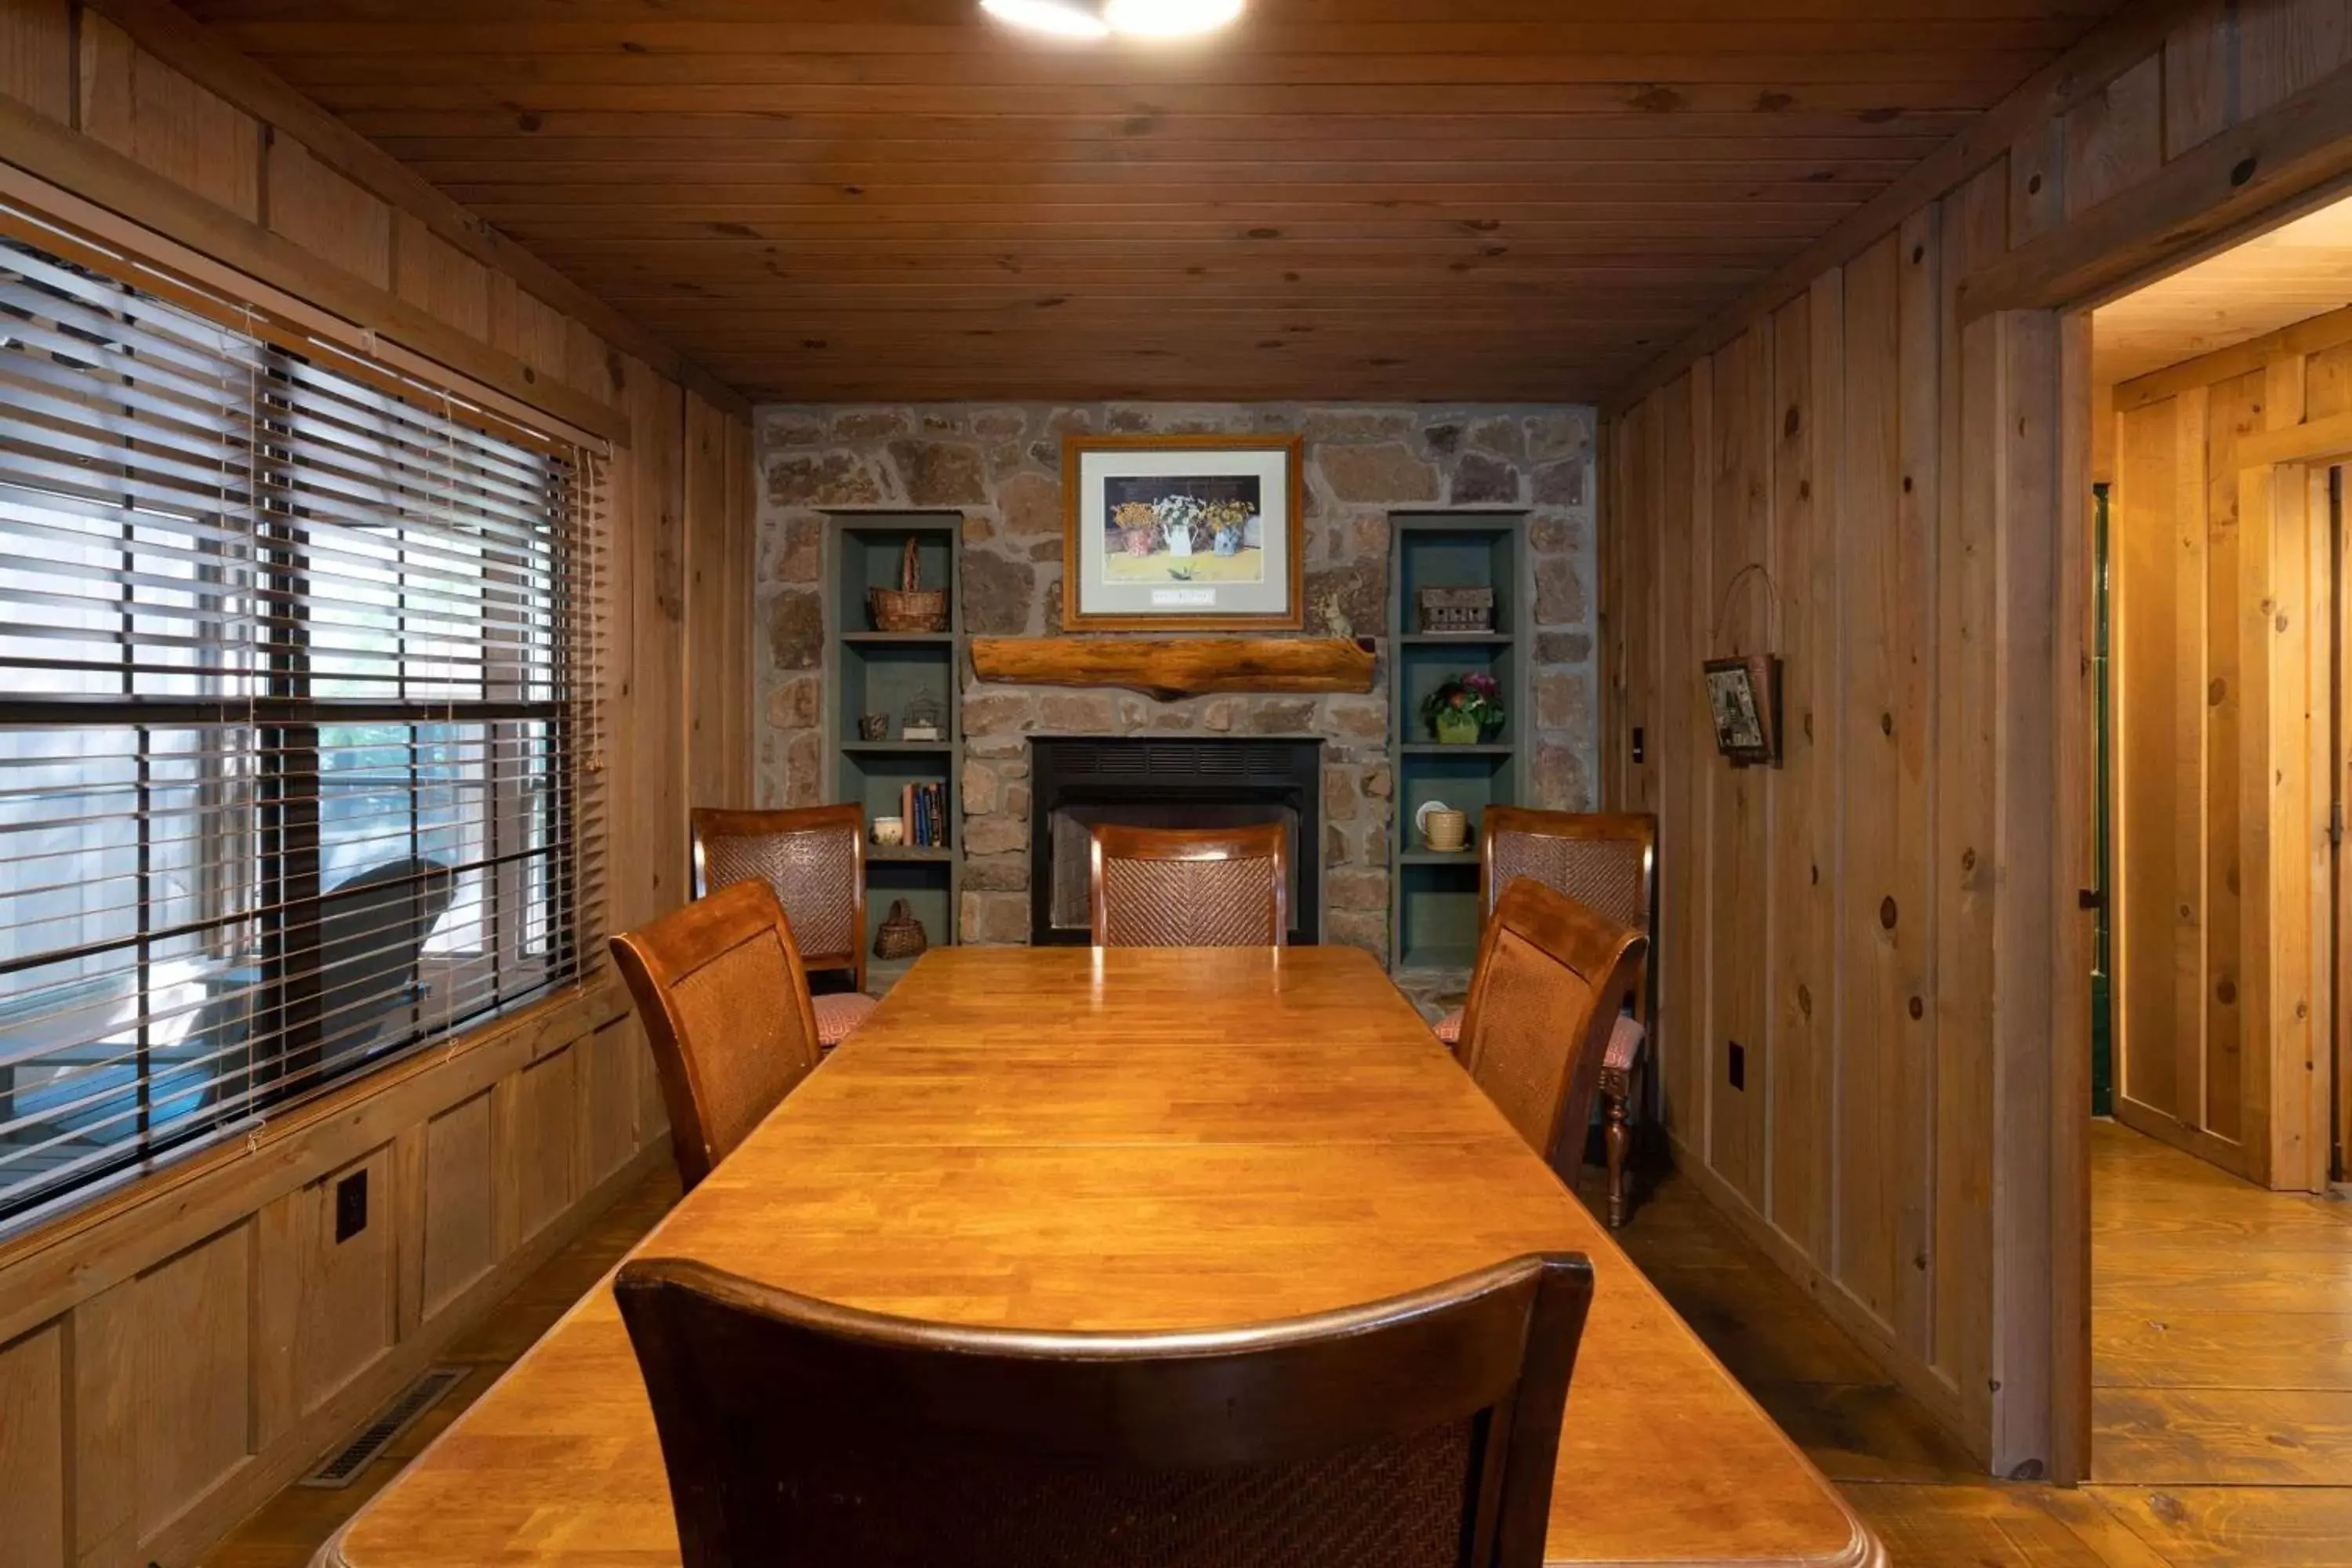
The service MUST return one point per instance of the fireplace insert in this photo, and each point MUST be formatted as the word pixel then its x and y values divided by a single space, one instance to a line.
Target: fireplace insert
pixel 1155 782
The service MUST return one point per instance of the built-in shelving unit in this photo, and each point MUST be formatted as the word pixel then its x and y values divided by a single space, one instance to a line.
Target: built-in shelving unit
pixel 1433 910
pixel 881 672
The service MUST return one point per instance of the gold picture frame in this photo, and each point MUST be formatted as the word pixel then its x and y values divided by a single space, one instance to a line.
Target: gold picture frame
pixel 1163 533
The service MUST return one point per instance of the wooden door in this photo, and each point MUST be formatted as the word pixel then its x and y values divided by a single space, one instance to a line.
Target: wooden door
pixel 2183 636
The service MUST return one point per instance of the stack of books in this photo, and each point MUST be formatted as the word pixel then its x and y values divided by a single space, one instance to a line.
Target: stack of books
pixel 925 808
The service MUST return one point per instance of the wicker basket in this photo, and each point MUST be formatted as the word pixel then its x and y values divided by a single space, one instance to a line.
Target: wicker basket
pixel 908 607
pixel 901 935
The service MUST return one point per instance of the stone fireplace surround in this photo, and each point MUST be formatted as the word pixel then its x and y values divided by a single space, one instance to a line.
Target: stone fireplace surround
pixel 1000 466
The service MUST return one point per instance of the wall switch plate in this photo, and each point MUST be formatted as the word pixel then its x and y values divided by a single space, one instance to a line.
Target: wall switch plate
pixel 1738 1065
pixel 1638 746
pixel 351 1206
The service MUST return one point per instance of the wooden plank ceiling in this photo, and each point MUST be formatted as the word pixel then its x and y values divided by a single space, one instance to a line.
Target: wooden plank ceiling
pixel 2295 271
pixel 1430 199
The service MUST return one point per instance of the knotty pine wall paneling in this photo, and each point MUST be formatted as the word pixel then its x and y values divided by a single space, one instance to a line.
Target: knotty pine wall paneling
pixel 177 1351
pixel 2211 614
pixel 1919 502
pixel 1805 412
pixel 1738 607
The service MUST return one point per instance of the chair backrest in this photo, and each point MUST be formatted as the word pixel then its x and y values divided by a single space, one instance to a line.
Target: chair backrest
pixel 814 860
pixel 1419 1431
pixel 726 1005
pixel 1607 861
pixel 1174 887
pixel 1552 977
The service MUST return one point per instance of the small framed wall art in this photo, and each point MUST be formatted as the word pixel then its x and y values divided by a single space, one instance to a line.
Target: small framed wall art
pixel 1744 696
pixel 1183 534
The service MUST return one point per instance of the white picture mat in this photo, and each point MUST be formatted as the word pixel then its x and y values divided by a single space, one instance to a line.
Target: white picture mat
pixel 1271 466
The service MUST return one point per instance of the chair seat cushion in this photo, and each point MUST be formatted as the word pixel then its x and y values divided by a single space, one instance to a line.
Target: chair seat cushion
pixel 1625 1039
pixel 838 1014
pixel 1624 1043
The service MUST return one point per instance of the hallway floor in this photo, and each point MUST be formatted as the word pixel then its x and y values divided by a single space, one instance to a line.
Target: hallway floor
pixel 2223 1365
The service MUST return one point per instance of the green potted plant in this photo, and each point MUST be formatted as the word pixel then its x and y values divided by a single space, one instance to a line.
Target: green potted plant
pixel 1464 709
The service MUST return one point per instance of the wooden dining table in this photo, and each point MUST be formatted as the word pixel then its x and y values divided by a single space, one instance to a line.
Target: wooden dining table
pixel 1137 1138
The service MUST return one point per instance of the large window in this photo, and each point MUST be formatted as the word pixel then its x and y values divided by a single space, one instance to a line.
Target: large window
pixel 292 716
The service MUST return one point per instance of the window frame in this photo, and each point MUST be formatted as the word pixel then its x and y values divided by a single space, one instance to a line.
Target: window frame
pixel 289 784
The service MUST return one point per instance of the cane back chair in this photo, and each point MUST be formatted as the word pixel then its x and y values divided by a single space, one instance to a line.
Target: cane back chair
pixel 1607 862
pixel 1418 1432
pixel 814 860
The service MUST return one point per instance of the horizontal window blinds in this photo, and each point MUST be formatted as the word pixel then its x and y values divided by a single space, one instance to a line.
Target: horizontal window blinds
pixel 298 716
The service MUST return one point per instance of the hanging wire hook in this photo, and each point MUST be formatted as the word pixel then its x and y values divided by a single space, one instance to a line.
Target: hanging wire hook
pixel 1772 598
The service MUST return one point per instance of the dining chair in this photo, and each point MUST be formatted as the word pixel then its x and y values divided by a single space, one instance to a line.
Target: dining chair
pixel 814 858
pixel 726 1005
pixel 1553 978
pixel 1607 862
pixel 1167 886
pixel 1417 1432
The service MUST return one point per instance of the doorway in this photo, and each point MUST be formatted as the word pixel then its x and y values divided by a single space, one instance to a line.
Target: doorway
pixel 2222 1266
pixel 2223 409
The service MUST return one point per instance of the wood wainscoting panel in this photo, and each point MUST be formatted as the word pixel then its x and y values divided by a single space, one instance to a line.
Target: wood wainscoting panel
pixel 345 1291
pixel 188 1352
pixel 611 1061
pixel 459 1247
pixel 535 1116
pixel 33 1449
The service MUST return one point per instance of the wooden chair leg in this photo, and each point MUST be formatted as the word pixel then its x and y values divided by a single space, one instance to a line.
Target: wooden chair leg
pixel 1617 1137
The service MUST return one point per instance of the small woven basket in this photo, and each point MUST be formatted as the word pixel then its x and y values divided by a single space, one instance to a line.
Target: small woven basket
pixel 910 606
pixel 901 935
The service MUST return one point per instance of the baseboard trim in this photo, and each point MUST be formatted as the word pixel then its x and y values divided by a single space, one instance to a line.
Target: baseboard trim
pixel 1939 1397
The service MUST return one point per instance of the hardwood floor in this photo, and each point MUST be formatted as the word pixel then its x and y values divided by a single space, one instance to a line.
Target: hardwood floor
pixel 2222 1365
pixel 2223 1369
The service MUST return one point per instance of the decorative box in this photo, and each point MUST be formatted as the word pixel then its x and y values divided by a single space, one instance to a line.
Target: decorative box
pixel 1456 611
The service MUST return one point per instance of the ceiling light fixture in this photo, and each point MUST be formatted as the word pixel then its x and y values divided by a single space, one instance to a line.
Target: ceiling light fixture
pixel 1170 18
pixel 1061 17
pixel 1100 18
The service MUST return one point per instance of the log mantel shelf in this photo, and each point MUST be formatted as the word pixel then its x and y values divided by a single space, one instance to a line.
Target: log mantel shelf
pixel 1170 667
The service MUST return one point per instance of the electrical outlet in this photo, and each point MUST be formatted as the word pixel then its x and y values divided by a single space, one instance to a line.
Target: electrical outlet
pixel 1738 1065
pixel 351 1206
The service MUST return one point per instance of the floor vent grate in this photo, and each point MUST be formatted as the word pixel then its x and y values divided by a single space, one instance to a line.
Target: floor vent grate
pixel 343 1467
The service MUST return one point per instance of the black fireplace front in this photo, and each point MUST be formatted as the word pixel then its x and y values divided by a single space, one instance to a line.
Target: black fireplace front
pixel 1081 780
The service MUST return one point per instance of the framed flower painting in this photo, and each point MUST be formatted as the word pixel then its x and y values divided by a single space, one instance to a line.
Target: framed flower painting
pixel 1183 534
